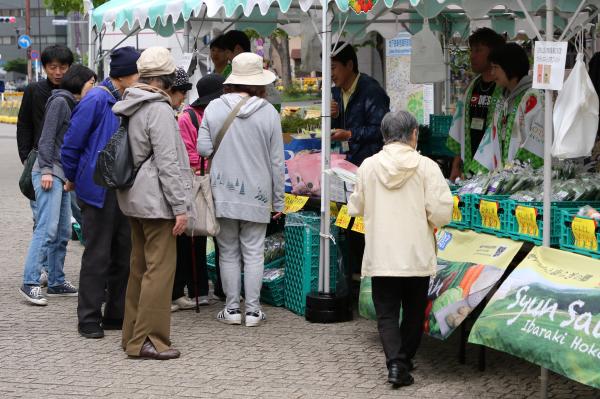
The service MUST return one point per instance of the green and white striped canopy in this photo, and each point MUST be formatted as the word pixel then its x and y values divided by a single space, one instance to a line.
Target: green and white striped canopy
pixel 166 16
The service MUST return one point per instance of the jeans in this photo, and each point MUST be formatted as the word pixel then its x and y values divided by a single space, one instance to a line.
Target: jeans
pixel 33 206
pixel 51 234
pixel 390 294
pixel 242 242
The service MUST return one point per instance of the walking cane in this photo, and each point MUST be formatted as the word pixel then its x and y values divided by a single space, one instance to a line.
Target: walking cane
pixel 195 275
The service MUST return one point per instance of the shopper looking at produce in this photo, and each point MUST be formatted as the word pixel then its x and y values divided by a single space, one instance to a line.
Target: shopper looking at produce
pixel 105 260
pixel 400 268
pixel 475 111
pixel 247 174
pixel 517 130
pixel 156 205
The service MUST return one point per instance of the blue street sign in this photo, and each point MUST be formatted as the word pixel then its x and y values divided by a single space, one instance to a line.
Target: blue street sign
pixel 24 41
pixel 35 55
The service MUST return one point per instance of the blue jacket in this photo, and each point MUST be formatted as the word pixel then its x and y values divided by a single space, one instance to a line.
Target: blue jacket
pixel 366 108
pixel 92 125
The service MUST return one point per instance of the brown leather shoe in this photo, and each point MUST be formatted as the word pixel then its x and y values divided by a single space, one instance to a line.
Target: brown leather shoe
pixel 148 351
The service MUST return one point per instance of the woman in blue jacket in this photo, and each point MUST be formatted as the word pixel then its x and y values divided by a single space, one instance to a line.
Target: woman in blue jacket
pixel 53 225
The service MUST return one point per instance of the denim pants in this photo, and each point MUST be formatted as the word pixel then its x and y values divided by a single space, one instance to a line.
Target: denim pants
pixel 51 234
pixel 34 214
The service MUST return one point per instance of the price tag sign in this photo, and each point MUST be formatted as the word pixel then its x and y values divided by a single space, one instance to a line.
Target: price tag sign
pixel 489 214
pixel 584 231
pixel 333 209
pixel 294 203
pixel 359 225
pixel 527 220
pixel 456 213
pixel 343 218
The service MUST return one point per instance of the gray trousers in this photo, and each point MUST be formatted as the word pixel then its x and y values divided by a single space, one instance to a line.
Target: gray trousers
pixel 240 241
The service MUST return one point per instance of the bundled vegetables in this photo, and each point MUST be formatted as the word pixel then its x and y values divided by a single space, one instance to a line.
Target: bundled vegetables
pixel 274 247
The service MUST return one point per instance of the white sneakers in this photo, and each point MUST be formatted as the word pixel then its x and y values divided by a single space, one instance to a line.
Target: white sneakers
pixel 234 317
pixel 185 303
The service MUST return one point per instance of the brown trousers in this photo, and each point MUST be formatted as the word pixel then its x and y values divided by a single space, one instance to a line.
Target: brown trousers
pixel 148 298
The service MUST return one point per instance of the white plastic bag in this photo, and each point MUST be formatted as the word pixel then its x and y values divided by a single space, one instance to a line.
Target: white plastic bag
pixel 426 58
pixel 575 115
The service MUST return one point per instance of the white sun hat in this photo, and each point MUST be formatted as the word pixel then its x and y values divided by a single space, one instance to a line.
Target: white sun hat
pixel 247 69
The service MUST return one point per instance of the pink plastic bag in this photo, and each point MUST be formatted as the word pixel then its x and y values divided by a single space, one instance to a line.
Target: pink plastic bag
pixel 305 172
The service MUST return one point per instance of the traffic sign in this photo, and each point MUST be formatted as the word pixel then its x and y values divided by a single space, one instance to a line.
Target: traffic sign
pixel 24 41
pixel 35 55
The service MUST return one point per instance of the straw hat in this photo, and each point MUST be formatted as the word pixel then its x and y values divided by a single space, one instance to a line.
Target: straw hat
pixel 247 69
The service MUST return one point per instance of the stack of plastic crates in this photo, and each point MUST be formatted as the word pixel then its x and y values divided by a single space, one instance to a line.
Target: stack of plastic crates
pixel 439 125
pixel 517 230
pixel 272 291
pixel 302 251
pixel 477 221
pixel 567 238
pixel 461 214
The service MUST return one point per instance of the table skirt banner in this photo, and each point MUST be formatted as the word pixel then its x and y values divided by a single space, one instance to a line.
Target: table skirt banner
pixel 469 265
pixel 548 312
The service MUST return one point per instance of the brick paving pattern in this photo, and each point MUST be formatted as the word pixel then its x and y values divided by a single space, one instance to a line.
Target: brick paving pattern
pixel 42 356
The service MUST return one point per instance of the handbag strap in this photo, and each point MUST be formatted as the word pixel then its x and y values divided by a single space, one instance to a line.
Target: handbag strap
pixel 232 115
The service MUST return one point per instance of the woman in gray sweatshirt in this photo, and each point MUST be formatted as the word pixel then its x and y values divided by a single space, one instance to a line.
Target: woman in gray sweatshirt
pixel 247 177
pixel 53 228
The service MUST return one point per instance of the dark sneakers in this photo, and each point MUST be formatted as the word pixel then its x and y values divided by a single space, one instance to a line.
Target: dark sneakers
pixel 91 330
pixel 33 294
pixel 399 376
pixel 65 289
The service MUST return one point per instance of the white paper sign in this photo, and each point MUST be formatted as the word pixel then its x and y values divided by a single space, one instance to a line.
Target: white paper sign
pixel 549 65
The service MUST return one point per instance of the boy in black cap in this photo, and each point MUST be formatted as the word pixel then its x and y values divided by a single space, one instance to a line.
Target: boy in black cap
pixel 105 261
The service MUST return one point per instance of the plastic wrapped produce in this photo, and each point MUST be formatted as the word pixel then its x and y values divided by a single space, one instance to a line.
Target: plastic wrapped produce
pixel 274 247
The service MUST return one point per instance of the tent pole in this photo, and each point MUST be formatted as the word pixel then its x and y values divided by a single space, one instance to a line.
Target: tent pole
pixel 572 20
pixel 548 138
pixel 91 56
pixel 325 150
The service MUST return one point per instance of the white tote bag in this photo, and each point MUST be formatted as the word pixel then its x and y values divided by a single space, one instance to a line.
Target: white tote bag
pixel 575 115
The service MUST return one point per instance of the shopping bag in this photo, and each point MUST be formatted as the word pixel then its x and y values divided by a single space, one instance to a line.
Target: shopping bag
pixel 202 219
pixel 305 172
pixel 25 181
pixel 575 115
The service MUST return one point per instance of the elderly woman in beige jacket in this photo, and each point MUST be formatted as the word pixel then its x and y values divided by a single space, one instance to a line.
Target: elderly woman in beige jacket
pixel 403 197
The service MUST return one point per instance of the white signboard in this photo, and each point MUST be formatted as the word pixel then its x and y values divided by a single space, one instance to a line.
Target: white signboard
pixel 414 98
pixel 549 65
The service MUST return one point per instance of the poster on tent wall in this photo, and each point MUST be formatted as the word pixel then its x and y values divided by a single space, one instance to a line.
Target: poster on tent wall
pixel 415 98
pixel 548 312
pixel 469 265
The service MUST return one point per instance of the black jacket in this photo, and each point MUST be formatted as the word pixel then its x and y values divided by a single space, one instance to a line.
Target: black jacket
pixel 366 108
pixel 31 116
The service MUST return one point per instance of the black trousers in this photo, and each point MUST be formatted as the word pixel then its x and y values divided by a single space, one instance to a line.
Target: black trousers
pixel 184 274
pixel 105 262
pixel 390 294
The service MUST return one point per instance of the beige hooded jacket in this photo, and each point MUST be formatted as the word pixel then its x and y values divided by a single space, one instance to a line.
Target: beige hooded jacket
pixel 403 197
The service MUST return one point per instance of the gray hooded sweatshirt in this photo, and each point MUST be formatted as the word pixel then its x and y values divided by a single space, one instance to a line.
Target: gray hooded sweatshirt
pixel 163 182
pixel 56 122
pixel 247 171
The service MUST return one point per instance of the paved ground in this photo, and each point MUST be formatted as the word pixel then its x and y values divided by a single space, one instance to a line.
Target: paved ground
pixel 41 354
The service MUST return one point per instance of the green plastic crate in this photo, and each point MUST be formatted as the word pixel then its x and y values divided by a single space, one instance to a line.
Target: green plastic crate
pixel 555 216
pixel 465 207
pixel 567 240
pixel 302 251
pixel 440 125
pixel 477 221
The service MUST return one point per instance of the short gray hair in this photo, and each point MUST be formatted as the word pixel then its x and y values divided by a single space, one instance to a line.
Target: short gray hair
pixel 398 127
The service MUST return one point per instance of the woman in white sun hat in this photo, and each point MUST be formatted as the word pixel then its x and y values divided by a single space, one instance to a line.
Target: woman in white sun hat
pixel 247 175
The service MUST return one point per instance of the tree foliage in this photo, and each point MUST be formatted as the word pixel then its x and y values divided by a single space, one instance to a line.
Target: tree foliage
pixel 17 65
pixel 67 6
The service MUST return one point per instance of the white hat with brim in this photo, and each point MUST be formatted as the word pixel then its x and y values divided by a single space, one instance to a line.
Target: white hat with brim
pixel 247 69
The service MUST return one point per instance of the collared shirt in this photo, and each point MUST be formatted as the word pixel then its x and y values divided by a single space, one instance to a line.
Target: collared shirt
pixel 347 94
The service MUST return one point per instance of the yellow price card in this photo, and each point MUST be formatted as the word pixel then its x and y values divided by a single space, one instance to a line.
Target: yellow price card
pixel 527 220
pixel 584 231
pixel 333 209
pixel 359 225
pixel 456 213
pixel 489 214
pixel 343 218
pixel 293 203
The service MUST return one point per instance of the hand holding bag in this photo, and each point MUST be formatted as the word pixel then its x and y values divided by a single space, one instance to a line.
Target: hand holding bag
pixel 202 220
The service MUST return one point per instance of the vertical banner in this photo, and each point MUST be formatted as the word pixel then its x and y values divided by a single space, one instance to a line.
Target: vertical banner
pixel 469 266
pixel 548 312
pixel 415 98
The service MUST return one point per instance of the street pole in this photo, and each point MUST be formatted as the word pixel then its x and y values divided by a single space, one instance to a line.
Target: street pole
pixel 548 138
pixel 27 32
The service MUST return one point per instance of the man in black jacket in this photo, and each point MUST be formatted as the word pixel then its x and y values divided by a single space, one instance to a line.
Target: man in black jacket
pixel 359 105
pixel 56 61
